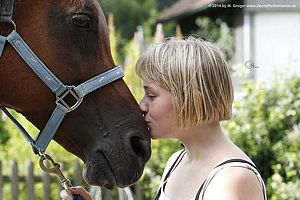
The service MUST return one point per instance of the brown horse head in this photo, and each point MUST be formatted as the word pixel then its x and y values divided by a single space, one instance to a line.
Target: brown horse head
pixel 107 130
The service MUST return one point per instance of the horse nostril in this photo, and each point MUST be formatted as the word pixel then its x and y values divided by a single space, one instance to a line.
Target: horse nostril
pixel 141 148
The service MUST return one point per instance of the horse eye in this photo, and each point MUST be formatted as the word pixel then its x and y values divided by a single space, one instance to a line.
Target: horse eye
pixel 81 21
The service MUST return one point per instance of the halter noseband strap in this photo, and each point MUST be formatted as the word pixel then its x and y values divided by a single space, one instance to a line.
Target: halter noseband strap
pixel 55 85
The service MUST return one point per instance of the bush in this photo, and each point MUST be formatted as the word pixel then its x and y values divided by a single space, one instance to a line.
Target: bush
pixel 3 135
pixel 266 125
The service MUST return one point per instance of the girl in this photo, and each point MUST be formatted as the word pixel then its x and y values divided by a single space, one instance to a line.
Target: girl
pixel 188 91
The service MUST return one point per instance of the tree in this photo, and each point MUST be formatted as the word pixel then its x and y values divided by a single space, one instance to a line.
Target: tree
pixel 216 31
pixel 163 4
pixel 130 14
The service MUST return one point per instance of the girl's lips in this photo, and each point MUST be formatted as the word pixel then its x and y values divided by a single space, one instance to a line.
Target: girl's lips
pixel 148 126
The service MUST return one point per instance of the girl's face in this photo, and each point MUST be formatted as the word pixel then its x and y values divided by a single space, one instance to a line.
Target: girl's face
pixel 158 110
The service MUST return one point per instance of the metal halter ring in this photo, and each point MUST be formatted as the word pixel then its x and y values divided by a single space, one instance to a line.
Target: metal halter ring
pixel 60 100
pixel 14 25
pixel 13 29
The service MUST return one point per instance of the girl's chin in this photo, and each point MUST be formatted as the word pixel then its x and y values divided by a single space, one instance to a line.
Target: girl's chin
pixel 154 136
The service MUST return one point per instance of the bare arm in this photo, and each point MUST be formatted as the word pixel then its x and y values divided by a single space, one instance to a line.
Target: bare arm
pixel 234 183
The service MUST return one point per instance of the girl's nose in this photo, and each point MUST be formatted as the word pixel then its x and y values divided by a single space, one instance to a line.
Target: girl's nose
pixel 143 107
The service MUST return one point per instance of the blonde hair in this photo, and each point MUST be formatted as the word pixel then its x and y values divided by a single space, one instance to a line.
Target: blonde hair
pixel 196 74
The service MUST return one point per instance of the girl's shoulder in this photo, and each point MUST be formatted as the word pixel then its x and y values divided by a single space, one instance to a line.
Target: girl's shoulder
pixel 235 181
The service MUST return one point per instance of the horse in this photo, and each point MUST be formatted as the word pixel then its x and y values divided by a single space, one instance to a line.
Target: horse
pixel 106 130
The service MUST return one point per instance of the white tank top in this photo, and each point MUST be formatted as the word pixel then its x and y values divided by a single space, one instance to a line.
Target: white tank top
pixel 177 157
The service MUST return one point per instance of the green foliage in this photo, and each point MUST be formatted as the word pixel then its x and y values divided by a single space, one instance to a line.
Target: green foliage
pixel 169 29
pixel 17 142
pixel 163 4
pixel 285 182
pixel 218 32
pixel 18 149
pixel 132 80
pixel 265 125
pixel 114 37
pixel 16 146
pixel 3 135
pixel 130 14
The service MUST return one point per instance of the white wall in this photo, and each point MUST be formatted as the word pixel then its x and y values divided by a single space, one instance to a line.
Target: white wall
pixel 272 41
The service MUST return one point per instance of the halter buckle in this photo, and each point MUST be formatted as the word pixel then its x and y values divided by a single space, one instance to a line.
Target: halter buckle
pixel 60 99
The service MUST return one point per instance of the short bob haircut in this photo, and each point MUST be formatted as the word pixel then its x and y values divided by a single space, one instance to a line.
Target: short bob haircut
pixel 195 72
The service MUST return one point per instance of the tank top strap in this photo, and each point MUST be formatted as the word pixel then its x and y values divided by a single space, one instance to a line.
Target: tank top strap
pixel 174 165
pixel 230 163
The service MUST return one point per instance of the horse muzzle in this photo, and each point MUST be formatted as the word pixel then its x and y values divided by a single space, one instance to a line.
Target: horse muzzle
pixel 118 166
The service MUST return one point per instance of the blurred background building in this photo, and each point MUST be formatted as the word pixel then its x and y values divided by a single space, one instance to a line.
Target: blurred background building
pixel 266 34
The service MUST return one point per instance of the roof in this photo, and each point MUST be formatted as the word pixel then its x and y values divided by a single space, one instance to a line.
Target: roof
pixel 184 7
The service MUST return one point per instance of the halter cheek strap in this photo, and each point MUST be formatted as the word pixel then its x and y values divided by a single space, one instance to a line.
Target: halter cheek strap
pixel 2 44
pixel 6 10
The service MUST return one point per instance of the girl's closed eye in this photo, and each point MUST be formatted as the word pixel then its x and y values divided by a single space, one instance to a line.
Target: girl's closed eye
pixel 150 95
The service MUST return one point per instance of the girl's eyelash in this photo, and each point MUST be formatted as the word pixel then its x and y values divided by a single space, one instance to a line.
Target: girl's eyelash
pixel 150 95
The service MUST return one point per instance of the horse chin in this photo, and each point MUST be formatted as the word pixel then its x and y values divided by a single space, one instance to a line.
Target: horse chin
pixel 99 172
pixel 95 173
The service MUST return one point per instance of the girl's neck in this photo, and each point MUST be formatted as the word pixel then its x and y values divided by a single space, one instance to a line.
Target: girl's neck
pixel 201 142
